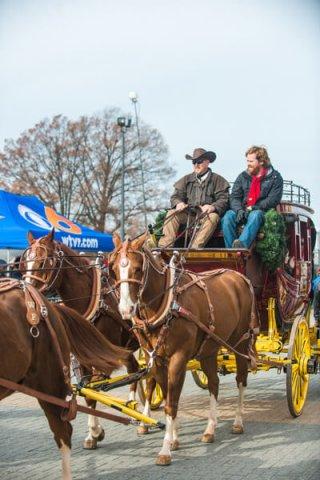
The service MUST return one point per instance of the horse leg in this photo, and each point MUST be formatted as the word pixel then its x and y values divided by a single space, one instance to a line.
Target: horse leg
pixel 176 376
pixel 132 367
pixel 62 431
pixel 150 386
pixel 209 366
pixel 241 378
pixel 95 430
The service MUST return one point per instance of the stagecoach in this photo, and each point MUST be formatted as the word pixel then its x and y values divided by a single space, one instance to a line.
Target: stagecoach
pixel 289 337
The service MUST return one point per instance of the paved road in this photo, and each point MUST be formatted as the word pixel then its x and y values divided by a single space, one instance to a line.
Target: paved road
pixel 274 446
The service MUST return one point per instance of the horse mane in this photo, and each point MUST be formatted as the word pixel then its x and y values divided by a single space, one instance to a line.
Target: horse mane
pixel 156 262
pixel 77 259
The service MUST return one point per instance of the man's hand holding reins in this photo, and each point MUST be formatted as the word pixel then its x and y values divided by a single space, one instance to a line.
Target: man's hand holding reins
pixel 207 208
pixel 181 206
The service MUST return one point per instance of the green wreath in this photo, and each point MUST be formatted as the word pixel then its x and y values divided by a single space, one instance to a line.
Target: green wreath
pixel 272 247
pixel 158 225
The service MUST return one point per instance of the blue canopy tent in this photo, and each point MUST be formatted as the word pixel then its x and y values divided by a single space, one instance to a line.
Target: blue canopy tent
pixel 20 214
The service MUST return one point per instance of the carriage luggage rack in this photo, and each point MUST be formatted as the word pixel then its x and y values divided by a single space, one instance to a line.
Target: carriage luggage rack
pixel 295 193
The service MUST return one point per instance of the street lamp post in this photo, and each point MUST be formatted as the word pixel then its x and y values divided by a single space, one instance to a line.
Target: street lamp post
pixel 124 123
pixel 134 98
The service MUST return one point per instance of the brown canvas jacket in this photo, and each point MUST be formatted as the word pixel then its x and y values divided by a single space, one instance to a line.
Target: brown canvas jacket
pixel 214 190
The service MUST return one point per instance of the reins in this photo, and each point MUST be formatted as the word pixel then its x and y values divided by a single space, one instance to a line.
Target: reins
pixel 193 225
pixel 67 405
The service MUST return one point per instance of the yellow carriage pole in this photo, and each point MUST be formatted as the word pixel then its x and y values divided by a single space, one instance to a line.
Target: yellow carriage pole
pixel 127 408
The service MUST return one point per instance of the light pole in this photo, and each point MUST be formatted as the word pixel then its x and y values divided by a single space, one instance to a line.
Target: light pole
pixel 134 98
pixel 124 123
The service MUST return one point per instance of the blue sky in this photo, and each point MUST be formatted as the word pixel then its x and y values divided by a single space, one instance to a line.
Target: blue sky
pixel 222 75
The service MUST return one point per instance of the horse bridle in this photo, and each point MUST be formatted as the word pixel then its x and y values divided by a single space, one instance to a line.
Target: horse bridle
pixel 55 264
pixel 145 269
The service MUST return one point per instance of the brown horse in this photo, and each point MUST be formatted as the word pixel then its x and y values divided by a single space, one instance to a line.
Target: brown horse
pixel 52 265
pixel 179 316
pixel 35 360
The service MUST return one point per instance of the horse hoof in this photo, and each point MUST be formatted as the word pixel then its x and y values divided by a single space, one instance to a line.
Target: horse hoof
pixel 142 430
pixel 163 460
pixel 175 445
pixel 207 438
pixel 237 429
pixel 101 436
pixel 90 444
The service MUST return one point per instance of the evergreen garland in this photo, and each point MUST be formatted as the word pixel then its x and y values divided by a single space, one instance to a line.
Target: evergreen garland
pixel 158 225
pixel 272 247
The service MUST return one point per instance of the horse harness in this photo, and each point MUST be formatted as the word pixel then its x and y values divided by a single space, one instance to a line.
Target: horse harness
pixel 171 308
pixel 37 311
pixel 96 305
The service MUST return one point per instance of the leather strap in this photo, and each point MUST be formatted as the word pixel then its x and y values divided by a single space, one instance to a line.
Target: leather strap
pixel 183 312
pixel 95 295
pixel 62 403
pixel 36 309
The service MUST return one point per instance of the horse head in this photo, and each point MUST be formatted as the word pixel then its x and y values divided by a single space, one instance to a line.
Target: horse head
pixel 40 260
pixel 126 265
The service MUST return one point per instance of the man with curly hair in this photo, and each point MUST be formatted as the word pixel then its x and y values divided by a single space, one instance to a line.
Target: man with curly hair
pixel 255 191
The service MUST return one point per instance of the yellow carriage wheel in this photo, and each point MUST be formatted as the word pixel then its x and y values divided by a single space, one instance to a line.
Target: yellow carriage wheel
pixel 200 379
pixel 299 352
pixel 157 395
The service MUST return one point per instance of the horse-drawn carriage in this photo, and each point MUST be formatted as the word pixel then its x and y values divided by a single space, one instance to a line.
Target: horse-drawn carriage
pixel 288 338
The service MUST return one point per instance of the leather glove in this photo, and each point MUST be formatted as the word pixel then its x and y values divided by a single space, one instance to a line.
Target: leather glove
pixel 241 216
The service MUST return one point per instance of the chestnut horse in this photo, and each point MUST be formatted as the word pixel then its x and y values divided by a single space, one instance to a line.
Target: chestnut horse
pixel 52 265
pixel 179 315
pixel 35 360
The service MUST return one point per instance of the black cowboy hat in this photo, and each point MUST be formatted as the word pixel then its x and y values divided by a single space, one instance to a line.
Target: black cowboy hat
pixel 199 153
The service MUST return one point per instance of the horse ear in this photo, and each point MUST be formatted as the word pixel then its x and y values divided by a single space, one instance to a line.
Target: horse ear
pixel 116 240
pixel 30 238
pixel 50 235
pixel 138 242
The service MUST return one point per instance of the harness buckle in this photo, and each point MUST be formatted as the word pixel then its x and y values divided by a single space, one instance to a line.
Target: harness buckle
pixel 34 331
pixel 175 306
pixel 152 356
pixel 43 311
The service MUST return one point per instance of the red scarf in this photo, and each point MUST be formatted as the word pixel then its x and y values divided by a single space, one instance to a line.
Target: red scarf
pixel 255 187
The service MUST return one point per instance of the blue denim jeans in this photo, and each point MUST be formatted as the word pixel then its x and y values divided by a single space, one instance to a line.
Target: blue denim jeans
pixel 249 233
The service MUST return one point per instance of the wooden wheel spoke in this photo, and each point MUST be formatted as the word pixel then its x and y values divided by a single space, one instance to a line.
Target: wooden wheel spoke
pixel 297 379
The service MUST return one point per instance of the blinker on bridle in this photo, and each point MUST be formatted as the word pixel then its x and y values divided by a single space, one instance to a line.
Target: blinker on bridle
pixel 55 265
pixel 124 262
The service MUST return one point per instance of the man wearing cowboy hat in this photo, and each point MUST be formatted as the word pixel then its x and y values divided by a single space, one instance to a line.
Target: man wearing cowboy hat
pixel 202 188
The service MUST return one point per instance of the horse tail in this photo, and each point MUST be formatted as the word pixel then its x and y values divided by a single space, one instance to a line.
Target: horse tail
pixel 90 347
